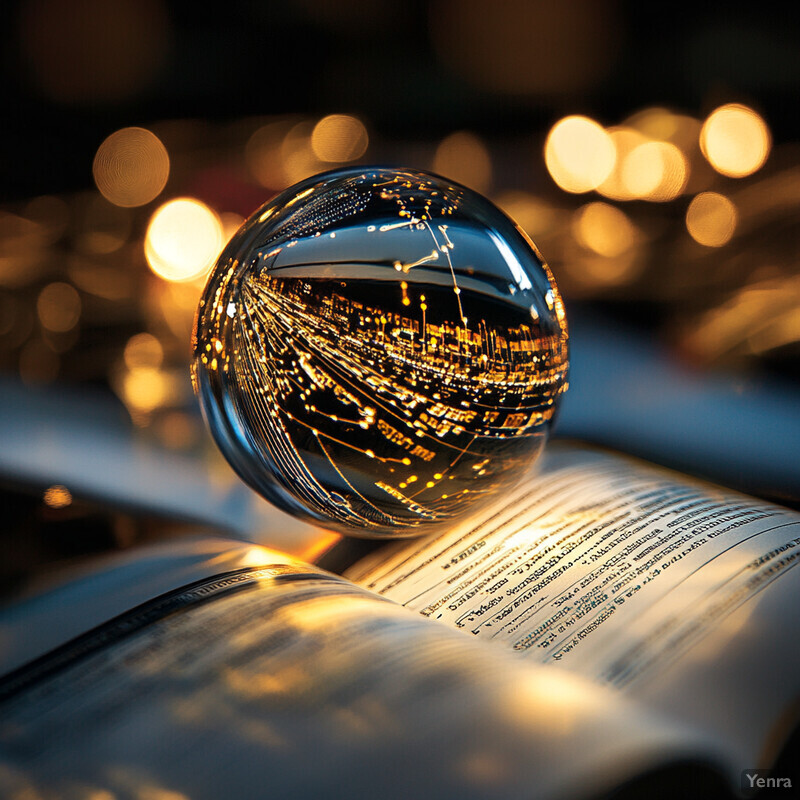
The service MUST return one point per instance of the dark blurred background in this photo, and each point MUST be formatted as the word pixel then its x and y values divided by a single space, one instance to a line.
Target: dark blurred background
pixel 652 153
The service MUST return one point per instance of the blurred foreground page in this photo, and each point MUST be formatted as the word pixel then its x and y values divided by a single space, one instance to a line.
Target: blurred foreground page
pixel 283 681
pixel 627 574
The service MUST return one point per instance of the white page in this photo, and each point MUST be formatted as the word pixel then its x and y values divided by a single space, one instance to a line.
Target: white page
pixel 620 572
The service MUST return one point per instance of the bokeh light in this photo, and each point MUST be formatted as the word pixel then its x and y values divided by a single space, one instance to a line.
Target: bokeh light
pixel 604 229
pixel 145 389
pixel 131 167
pixel 143 350
pixel 464 157
pixel 59 307
pixel 263 154
pixel 297 156
pixel 661 124
pixel 625 141
pixel 230 224
pixel 655 171
pixel 533 214
pixel 280 153
pixel 735 140
pixel 339 138
pixel 711 219
pixel 472 94
pixel 579 154
pixel 57 496
pixel 183 239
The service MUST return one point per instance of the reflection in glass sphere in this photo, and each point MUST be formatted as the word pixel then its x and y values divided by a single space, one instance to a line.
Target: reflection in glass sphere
pixel 380 351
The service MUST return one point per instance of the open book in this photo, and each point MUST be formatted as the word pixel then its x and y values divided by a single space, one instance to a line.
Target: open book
pixel 609 628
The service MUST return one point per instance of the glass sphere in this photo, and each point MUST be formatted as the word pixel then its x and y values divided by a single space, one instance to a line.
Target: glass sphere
pixel 380 351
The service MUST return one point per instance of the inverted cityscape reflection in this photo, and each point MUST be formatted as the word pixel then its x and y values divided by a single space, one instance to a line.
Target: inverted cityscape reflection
pixel 380 351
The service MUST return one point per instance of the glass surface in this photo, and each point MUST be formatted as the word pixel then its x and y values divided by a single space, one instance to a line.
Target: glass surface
pixel 381 351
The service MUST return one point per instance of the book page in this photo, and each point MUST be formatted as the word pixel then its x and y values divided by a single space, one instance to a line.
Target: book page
pixel 279 680
pixel 618 571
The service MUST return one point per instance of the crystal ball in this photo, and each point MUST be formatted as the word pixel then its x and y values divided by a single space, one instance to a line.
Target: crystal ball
pixel 380 351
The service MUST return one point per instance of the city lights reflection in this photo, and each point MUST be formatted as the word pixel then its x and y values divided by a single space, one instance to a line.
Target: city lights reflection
pixel 390 343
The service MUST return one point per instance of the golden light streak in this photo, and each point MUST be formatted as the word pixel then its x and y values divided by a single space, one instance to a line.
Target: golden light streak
pixel 432 256
pixel 319 613
pixel 711 219
pixel 320 545
pixel 296 199
pixel 131 167
pixel 579 154
pixel 183 240
pixel 784 329
pixel 339 138
pixel 759 316
pixel 735 140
